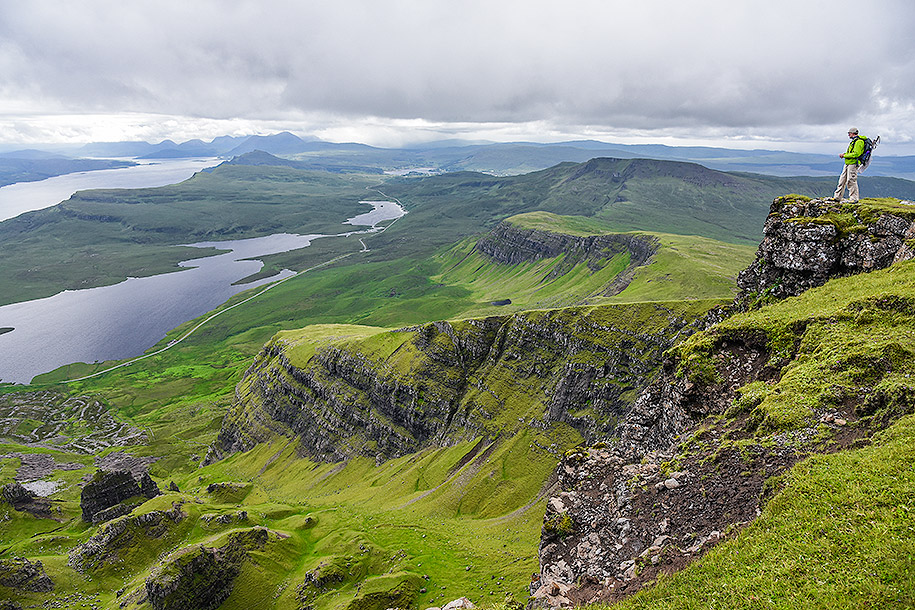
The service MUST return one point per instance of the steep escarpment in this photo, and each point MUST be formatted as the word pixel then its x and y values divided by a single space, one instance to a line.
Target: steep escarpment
pixel 512 244
pixel 396 392
pixel 705 447
pixel 104 497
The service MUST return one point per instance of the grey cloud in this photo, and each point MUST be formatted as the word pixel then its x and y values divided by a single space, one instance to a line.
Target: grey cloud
pixel 652 64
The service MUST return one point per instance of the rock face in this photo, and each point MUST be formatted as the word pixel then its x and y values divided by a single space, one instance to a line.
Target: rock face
pixel 21 499
pixel 110 544
pixel 442 383
pixel 511 244
pixel 808 241
pixel 109 489
pixel 625 513
pixel 15 494
pixel 202 577
pixel 24 575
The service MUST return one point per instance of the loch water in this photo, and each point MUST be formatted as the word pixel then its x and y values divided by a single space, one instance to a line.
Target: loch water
pixel 124 320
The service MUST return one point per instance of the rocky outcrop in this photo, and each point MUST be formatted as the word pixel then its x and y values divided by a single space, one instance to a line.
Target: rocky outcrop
pixel 22 499
pixel 809 241
pixel 113 540
pixel 202 577
pixel 631 508
pixel 14 493
pixel 510 244
pixel 24 575
pixel 444 382
pixel 109 489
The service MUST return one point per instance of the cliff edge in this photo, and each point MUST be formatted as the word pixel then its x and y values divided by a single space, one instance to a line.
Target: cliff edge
pixel 714 439
pixel 810 241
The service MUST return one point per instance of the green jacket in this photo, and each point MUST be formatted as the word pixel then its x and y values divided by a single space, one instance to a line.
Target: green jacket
pixel 855 150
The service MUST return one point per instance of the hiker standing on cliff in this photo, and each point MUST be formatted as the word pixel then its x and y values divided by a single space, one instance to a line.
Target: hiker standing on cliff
pixel 849 177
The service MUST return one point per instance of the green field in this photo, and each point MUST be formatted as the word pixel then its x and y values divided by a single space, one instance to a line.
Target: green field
pixel 461 517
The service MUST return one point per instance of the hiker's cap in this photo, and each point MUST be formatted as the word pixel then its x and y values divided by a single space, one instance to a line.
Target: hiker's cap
pixel 852 130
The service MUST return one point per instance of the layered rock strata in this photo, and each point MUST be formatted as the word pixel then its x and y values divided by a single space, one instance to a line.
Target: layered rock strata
pixel 108 490
pixel 510 244
pixel 447 382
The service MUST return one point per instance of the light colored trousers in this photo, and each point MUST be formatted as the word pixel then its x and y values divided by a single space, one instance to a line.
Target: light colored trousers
pixel 849 178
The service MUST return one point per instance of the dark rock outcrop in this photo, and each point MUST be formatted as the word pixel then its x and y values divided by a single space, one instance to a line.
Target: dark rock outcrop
pixel 22 499
pixel 108 489
pixel 674 481
pixel 24 575
pixel 809 241
pixel 114 539
pixel 634 507
pixel 15 494
pixel 202 577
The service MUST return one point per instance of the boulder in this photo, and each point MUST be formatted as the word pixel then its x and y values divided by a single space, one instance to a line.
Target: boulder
pixel 24 575
pixel 108 489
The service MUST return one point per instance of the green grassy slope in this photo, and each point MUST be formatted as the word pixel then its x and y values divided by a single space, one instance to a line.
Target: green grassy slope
pixel 440 511
pixel 467 515
pixel 840 534
pixel 100 237
pixel 370 526
pixel 837 534
pixel 628 195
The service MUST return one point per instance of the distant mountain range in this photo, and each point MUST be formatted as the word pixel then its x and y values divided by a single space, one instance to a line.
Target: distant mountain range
pixel 454 155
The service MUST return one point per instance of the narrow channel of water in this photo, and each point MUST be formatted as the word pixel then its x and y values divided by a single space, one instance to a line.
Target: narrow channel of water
pixel 124 320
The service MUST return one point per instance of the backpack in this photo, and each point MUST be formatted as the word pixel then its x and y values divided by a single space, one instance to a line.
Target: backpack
pixel 869 145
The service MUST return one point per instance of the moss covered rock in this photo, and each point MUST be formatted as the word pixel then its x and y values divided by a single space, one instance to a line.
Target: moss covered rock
pixel 808 241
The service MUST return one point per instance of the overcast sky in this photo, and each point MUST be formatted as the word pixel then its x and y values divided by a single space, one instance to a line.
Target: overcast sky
pixel 775 74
